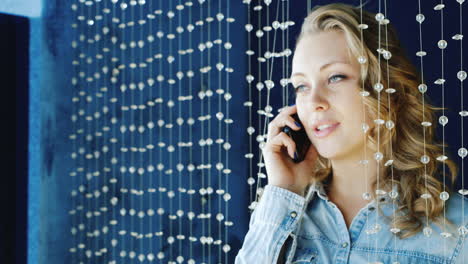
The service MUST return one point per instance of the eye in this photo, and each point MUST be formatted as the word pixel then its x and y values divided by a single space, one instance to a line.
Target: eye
pixel 298 88
pixel 336 78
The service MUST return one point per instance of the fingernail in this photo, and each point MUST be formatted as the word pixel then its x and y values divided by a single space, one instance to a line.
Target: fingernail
pixel 295 155
pixel 297 124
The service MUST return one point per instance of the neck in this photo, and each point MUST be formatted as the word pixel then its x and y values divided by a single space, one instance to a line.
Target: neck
pixel 350 179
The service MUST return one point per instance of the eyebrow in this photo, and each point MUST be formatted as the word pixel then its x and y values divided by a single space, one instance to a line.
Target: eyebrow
pixel 322 67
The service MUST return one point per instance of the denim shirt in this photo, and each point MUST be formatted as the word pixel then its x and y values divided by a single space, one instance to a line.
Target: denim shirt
pixel 318 232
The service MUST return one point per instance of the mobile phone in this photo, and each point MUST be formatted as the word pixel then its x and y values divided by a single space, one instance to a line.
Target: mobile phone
pixel 300 138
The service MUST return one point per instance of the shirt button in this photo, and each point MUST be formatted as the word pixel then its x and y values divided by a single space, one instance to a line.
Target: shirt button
pixel 345 244
pixel 371 208
pixel 293 214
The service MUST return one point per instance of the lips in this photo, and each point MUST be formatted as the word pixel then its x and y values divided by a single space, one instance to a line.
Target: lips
pixel 327 131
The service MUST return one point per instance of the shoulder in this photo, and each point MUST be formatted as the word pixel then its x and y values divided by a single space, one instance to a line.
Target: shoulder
pixel 456 207
pixel 452 237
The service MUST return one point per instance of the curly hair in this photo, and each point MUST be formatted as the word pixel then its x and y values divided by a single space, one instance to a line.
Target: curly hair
pixel 405 141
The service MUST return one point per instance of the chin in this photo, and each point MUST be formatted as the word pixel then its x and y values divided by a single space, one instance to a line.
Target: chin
pixel 327 152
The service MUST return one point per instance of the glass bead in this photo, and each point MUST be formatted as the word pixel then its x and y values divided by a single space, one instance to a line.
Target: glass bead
pixel 226 248
pixel 276 24
pixel 226 146
pixel 444 196
pixel 378 156
pixel 284 82
pixel 426 195
pixel 249 78
pixel 364 93
pixel 442 44
pixel 443 120
pixel 250 181
pixel 260 86
pixel 219 217
pixel 461 75
pixel 421 53
pixel 439 7
pixel 463 113
pixel 388 163
pixel 362 59
pixel 219 115
pixel 227 45
pixel 393 194
pixel 379 17
pixel 378 87
pixel 364 127
pixel 460 1
pixel 390 90
pixel 374 229
pixel 363 26
pixel 446 234
pixel 259 33
pixel 366 196
pixel 227 197
pixel 426 124
pixel 180 259
pixel 422 88
pixel 442 158
pixel 462 152
pixel 389 124
pixel 160 255
pixel 420 18
pixel 439 81
pixel 395 230
pixel 379 121
pixel 425 159
pixel 427 231
pixel 387 55
pixel 380 192
pixel 463 231
pixel 253 205
pixel 463 191
pixel 363 162
pixel 457 37
pixel 269 84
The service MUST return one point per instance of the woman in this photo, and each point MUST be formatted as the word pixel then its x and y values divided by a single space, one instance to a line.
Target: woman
pixel 333 207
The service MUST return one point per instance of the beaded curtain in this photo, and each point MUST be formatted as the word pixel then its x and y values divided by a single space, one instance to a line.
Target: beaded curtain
pixel 164 96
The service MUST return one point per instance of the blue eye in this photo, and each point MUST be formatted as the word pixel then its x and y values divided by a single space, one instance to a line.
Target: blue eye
pixel 296 89
pixel 336 78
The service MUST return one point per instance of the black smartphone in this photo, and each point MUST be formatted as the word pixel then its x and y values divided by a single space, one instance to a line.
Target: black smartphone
pixel 300 137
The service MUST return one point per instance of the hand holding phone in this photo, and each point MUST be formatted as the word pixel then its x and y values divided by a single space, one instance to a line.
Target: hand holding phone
pixel 283 140
pixel 300 138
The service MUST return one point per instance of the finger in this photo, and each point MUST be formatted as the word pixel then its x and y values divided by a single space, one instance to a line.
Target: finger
pixel 279 141
pixel 277 124
pixel 287 110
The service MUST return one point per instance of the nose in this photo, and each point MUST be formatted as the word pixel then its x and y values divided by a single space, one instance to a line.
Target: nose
pixel 317 100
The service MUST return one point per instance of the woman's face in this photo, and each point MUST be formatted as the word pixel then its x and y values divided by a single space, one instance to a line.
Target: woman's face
pixel 326 80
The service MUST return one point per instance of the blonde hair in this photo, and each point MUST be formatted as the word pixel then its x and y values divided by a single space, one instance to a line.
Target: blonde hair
pixel 407 136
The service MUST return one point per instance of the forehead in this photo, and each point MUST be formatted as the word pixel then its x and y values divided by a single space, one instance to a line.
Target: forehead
pixel 315 49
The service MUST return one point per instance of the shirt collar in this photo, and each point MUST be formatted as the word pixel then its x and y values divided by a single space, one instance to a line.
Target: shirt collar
pixel 319 189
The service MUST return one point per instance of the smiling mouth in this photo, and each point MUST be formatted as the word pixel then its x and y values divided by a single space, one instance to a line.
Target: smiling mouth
pixel 325 130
